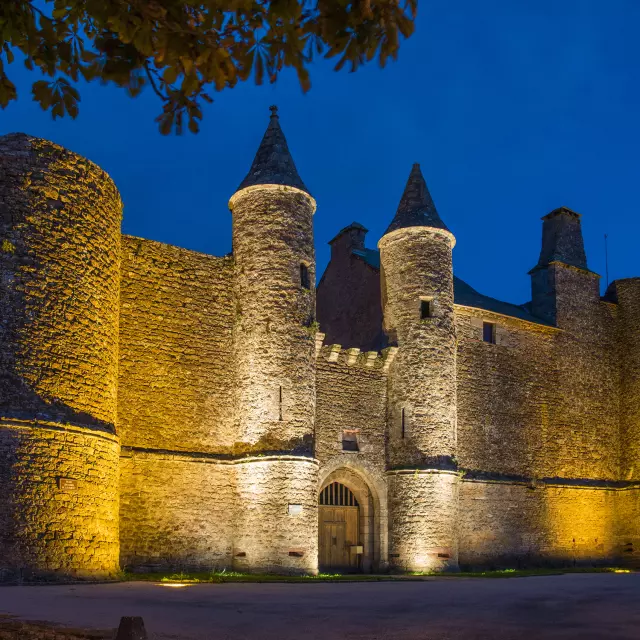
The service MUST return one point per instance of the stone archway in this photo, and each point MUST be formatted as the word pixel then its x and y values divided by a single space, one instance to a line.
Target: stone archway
pixel 372 512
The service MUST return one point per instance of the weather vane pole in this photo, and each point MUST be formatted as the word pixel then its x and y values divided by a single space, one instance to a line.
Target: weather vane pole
pixel 606 259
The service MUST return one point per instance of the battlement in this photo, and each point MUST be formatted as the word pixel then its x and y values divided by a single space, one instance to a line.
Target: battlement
pixel 354 357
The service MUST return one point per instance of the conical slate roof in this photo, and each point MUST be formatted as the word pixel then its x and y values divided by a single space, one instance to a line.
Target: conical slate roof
pixel 273 163
pixel 416 208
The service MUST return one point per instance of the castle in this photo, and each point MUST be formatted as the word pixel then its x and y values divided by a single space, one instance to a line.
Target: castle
pixel 165 409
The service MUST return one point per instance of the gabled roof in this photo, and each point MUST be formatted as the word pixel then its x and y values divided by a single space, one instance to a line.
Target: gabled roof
pixel 273 163
pixel 416 208
pixel 464 294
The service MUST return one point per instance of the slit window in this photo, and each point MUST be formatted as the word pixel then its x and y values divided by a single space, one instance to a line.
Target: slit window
pixel 280 403
pixel 489 332
pixel 426 309
pixel 350 440
pixel 304 276
pixel 402 424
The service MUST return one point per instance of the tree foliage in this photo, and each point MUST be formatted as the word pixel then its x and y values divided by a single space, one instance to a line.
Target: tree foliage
pixel 184 49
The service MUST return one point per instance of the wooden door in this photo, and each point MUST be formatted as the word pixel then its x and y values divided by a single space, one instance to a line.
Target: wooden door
pixel 338 530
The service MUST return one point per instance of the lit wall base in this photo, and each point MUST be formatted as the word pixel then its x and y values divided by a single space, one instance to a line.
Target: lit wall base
pixel 422 524
pixel 277 517
pixel 59 501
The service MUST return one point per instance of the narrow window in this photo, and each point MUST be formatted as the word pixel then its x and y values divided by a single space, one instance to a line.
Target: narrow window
pixel 350 440
pixel 489 332
pixel 402 424
pixel 280 404
pixel 425 309
pixel 304 276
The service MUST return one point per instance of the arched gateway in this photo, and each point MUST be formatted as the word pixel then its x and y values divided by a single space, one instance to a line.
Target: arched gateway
pixel 339 545
pixel 352 520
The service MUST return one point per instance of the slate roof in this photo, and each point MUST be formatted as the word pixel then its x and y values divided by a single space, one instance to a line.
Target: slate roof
pixel 273 163
pixel 465 295
pixel 416 208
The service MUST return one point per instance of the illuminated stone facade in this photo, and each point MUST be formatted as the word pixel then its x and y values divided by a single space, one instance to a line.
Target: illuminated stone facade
pixel 165 409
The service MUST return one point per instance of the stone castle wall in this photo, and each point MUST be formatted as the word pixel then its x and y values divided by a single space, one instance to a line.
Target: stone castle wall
pixel 177 511
pixel 542 402
pixel 176 371
pixel 59 277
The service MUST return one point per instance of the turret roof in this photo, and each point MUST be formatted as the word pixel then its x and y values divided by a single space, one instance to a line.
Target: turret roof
pixel 273 163
pixel 416 208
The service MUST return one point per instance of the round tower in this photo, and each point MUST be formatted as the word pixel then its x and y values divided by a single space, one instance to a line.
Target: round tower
pixel 417 298
pixel 274 345
pixel 59 285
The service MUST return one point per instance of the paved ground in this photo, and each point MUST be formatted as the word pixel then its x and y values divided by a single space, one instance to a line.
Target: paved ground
pixel 584 606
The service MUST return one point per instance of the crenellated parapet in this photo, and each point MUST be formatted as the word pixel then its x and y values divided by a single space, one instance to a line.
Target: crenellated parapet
pixel 354 357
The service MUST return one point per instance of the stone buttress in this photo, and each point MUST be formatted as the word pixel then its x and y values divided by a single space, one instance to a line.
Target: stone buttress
pixel 417 298
pixel 274 350
pixel 59 282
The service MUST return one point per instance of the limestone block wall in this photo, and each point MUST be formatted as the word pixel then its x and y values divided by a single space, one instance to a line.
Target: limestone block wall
pixel 59 277
pixel 423 517
pixel 276 525
pixel 274 340
pixel 177 512
pixel 176 370
pixel 511 524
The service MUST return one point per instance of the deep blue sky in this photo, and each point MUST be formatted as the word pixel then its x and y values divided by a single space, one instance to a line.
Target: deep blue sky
pixel 512 109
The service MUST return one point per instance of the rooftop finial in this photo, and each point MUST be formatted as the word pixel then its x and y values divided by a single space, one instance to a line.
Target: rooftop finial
pixel 274 110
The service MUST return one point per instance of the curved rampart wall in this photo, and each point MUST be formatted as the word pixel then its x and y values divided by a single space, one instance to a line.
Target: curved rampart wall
pixel 59 272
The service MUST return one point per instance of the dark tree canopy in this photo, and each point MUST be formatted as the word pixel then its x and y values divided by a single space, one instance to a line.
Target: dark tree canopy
pixel 184 49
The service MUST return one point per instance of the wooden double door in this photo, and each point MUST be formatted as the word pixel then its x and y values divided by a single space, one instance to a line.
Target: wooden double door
pixel 338 530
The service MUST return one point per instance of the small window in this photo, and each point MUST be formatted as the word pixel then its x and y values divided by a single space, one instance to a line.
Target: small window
pixel 280 403
pixel 350 440
pixel 403 425
pixel 304 276
pixel 489 332
pixel 426 309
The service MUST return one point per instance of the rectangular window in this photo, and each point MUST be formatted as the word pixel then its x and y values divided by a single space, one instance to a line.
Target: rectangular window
pixel 489 332
pixel 350 440
pixel 426 309
pixel 402 424
pixel 304 276
pixel 280 403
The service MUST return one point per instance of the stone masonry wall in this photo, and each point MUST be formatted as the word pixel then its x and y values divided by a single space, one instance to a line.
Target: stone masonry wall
pixel 176 371
pixel 177 512
pixel 522 525
pixel 274 340
pixel 416 264
pixel 541 402
pixel 423 520
pixel 59 501
pixel 59 282
pixel 277 516
pixel 351 396
pixel 59 263
pixel 628 296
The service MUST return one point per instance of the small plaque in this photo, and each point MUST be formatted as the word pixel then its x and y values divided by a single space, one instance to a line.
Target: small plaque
pixel 295 509
pixel 358 549
pixel 67 484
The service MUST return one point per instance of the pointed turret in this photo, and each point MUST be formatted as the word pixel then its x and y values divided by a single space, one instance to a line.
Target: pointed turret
pixel 417 305
pixel 273 163
pixel 416 208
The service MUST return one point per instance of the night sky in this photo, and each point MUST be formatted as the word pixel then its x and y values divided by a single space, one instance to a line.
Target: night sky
pixel 511 108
